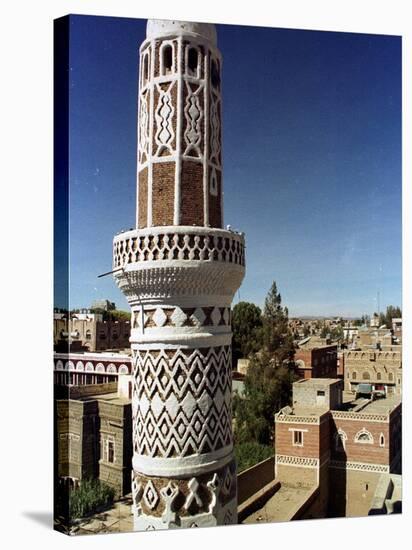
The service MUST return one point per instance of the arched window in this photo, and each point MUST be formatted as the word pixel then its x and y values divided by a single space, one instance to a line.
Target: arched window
pixel 390 377
pixel 145 68
pixel 379 376
pixel 382 440
pixel 340 440
pixel 192 61
pixel 167 59
pixel 354 375
pixel 366 376
pixel 214 74
pixel 364 436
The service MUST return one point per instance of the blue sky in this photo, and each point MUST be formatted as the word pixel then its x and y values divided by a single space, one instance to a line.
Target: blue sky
pixel 312 161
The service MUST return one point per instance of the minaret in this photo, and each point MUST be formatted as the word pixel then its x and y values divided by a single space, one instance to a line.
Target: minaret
pixel 179 271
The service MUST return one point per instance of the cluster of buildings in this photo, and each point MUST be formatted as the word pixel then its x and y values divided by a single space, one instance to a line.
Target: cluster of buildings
pixel 88 331
pixel 145 405
pixel 335 456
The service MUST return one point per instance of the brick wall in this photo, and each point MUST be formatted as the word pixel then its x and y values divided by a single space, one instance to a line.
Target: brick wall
pixel 192 206
pixel 163 193
pixel 315 438
pixel 143 179
pixel 253 479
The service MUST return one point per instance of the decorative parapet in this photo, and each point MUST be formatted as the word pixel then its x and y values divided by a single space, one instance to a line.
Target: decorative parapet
pixel 304 462
pixel 359 466
pixel 369 417
pixel 156 244
pixel 294 419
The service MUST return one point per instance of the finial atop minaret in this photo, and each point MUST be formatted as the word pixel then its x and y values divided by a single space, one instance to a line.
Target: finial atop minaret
pixel 179 161
pixel 157 28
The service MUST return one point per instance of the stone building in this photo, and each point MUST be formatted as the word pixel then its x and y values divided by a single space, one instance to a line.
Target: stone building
pixel 88 331
pixel 179 270
pixel 382 368
pixel 93 431
pixel 314 359
pixel 341 448
pixel 86 368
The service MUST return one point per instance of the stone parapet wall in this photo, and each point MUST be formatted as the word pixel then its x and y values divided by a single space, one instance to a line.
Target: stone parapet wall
pixel 253 479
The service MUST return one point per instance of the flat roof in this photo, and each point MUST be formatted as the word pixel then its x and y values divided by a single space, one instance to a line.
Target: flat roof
pixel 382 405
pixel 318 381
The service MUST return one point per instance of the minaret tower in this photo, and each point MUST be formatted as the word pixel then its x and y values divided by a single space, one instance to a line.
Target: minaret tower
pixel 179 271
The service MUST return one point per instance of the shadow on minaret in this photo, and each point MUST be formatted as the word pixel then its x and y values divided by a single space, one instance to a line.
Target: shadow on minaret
pixel 337 473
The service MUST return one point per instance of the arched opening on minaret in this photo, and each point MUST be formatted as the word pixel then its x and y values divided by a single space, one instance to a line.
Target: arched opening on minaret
pixel 167 59
pixel 145 68
pixel 193 61
pixel 214 74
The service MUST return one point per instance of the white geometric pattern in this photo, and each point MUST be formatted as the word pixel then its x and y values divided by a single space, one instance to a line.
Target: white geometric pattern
pixel 182 401
pixel 190 245
pixel 164 117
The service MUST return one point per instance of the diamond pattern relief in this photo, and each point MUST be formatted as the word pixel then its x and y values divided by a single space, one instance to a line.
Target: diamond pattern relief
pixel 216 316
pixel 174 419
pixel 150 495
pixel 159 317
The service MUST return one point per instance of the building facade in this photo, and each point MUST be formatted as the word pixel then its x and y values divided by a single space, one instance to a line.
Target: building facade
pixel 89 332
pixel 80 369
pixel 342 448
pixel 317 361
pixel 382 368
pixel 93 430
pixel 179 271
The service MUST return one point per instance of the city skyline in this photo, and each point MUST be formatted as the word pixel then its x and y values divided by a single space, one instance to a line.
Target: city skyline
pixel 312 161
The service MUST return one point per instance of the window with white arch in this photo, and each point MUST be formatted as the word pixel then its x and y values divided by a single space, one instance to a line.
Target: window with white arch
pixel 167 58
pixel 381 440
pixel 192 61
pixel 364 436
pixel 340 440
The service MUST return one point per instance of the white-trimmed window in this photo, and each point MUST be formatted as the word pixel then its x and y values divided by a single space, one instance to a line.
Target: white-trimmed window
pixel 109 449
pixel 340 440
pixel 297 438
pixel 145 72
pixel 364 436
pixel 166 58
pixel 381 440
pixel 193 61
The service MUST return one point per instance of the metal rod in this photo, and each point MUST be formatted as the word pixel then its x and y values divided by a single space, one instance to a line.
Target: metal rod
pixel 110 272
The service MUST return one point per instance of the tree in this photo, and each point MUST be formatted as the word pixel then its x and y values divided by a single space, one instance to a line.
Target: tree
pixel 324 332
pixel 337 333
pixel 267 389
pixel 268 382
pixel 277 338
pixel 392 312
pixel 247 330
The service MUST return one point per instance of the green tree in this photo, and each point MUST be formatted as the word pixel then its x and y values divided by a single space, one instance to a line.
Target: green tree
pixel 324 332
pixel 250 453
pixel 277 337
pixel 391 313
pixel 268 382
pixel 267 389
pixel 337 333
pixel 247 330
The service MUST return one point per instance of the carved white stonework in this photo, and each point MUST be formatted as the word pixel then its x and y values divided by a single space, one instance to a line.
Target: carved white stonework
pixel 164 117
pixel 302 462
pixel 143 149
pixel 359 466
pixel 193 118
